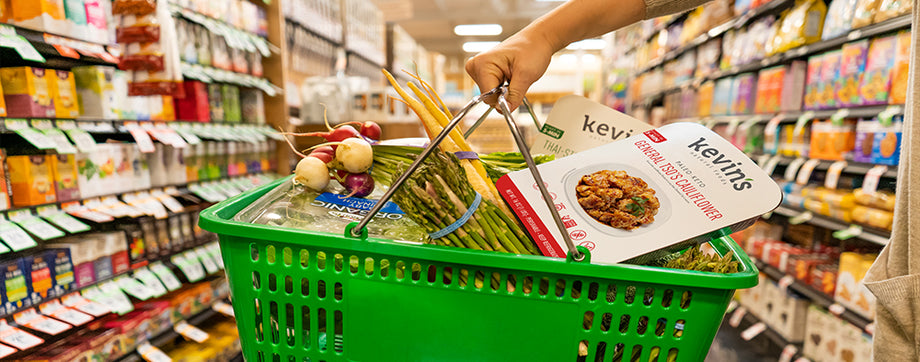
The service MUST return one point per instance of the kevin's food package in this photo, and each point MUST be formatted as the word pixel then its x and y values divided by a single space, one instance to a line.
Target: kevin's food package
pixel 664 189
pixel 576 124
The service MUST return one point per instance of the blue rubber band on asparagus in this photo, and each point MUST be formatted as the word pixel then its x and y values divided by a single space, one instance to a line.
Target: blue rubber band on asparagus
pixel 460 222
pixel 467 155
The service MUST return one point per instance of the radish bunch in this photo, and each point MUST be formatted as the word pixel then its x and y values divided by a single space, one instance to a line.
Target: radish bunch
pixel 346 156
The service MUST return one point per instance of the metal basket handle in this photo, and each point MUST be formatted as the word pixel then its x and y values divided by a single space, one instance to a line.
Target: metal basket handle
pixel 521 145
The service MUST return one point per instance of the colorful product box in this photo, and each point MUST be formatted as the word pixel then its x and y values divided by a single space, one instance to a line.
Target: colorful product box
pixel 253 106
pixel 15 286
pixel 4 183
pixel 62 271
pixel 37 268
pixel 831 141
pixel 722 96
pixel 194 106
pixel 830 69
pixel 852 66
pixel 64 171
pixel 75 12
pixel 745 94
pixel 769 89
pixel 31 180
pixel 27 92
pixel 813 82
pixel 705 95
pixel 898 94
pixel 793 86
pixel 886 146
pixel 2 102
pixel 41 15
pixel 850 291
pixel 216 102
pixel 97 22
pixel 865 140
pixel 231 103
pixel 96 92
pixel 63 93
pixel 875 82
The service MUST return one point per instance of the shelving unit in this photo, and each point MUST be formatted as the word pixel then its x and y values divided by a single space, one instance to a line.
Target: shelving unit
pixel 873 235
pixel 199 319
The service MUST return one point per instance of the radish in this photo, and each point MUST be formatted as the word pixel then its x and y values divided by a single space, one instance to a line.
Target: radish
pixel 312 173
pixel 325 153
pixel 358 184
pixel 355 155
pixel 369 129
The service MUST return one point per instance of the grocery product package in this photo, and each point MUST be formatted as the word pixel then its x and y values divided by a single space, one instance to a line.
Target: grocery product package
pixel 828 80
pixel 839 17
pixel 832 141
pixel 27 92
pixel 802 25
pixel 63 93
pixel 793 86
pixel 95 92
pixel 852 67
pixel 31 180
pixel 864 12
pixel 875 82
pixel 4 183
pixel 576 124
pixel 898 94
pixel 813 82
pixel 879 142
pixel 666 189
pixel 888 9
pixel 850 291
pixel 40 15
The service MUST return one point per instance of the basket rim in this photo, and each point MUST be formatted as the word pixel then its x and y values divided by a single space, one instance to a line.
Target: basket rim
pixel 219 219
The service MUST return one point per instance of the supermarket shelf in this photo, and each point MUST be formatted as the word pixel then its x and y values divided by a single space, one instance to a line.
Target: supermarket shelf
pixel 167 336
pixel 87 53
pixel 816 297
pixel 162 258
pixel 365 58
pixel 873 235
pixel 309 29
pixel 858 168
pixel 769 334
pixel 851 112
pixel 214 75
pixel 902 22
pixel 203 19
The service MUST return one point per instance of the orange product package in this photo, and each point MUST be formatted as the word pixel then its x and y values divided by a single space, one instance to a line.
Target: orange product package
pixel 898 93
pixel 64 93
pixel 852 66
pixel 769 90
pixel 830 71
pixel 831 141
pixel 875 82
pixel 812 81
pixel 31 180
pixel 41 15
pixel 864 13
pixel 704 98
pixel 850 292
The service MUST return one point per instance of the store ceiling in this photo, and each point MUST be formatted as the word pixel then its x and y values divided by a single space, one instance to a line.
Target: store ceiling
pixel 431 22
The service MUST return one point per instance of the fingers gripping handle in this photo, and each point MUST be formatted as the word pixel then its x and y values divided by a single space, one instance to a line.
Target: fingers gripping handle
pixel 576 254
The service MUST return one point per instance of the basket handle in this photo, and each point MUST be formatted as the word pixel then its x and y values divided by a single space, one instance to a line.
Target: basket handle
pixel 574 253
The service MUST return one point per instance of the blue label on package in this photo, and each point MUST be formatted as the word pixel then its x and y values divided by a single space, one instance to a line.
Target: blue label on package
pixel 357 203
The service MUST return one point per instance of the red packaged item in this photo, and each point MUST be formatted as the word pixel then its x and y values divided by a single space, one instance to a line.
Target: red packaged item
pixel 824 278
pixel 194 106
pixel 133 7
pixel 138 34
pixel 148 62
pixel 802 266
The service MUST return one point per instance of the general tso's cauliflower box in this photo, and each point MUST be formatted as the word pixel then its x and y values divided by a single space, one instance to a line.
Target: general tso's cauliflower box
pixel 653 191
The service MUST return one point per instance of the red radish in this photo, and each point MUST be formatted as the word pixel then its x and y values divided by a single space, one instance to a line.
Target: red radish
pixel 369 129
pixel 325 153
pixel 358 184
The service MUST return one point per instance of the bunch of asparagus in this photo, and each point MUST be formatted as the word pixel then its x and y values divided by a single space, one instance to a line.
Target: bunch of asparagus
pixel 438 194
pixel 695 259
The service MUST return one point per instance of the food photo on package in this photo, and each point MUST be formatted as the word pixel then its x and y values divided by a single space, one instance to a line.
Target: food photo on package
pixel 649 194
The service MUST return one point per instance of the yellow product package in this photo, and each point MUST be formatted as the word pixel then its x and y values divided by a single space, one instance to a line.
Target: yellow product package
pixel 888 9
pixel 864 13
pixel 803 25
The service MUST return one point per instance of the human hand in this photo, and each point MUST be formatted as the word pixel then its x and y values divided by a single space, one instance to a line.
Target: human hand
pixel 520 60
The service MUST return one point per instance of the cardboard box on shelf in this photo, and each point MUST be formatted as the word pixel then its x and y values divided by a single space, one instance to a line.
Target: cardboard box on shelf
pixel 875 82
pixel 831 141
pixel 96 92
pixel 64 171
pixel 830 71
pixel 41 15
pixel 852 66
pixel 31 180
pixel 27 92
pixel 850 292
pixel 898 94
pixel 793 86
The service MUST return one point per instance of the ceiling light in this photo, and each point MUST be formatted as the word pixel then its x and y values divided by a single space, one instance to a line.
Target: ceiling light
pixel 588 44
pixel 477 29
pixel 478 46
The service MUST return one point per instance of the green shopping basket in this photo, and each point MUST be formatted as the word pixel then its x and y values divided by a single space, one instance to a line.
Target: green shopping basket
pixel 302 295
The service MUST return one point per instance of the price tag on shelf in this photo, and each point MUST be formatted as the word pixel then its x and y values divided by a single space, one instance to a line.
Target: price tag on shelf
pixel 36 138
pixel 762 160
pixel 709 123
pixel 14 237
pixel 111 295
pixel 74 208
pixel 16 337
pixel 732 126
pixel 785 282
pixel 141 137
pixel 837 117
pixel 213 249
pixel 801 218
pixel 736 317
pixel 191 332
pixel 805 172
pixel 61 144
pixel 22 46
pixel 772 126
pixel 771 164
pixel 152 354
pixel 788 352
pixel 836 309
pixel 171 203
pixel 39 227
pixel 38 322
pixel 133 287
pixel 833 174
pixel 166 276
pixel 885 116
pixel 793 169
pixel 153 284
pixel 801 122
pixel 206 260
pixel 6 350
pixel 870 328
pixel 848 233
pixel 190 265
pixel 224 308
pixel 76 301
pixel 753 331
pixel 82 139
pixel 870 182
pixel 55 309
pixel 855 34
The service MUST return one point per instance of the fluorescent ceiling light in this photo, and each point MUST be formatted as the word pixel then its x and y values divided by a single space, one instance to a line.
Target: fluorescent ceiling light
pixel 477 29
pixel 478 46
pixel 588 44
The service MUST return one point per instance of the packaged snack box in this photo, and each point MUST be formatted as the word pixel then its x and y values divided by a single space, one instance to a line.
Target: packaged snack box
pixel 75 12
pixel 194 106
pixel 813 82
pixel 64 93
pixel 96 91
pixel 16 288
pixel 839 17
pixel 850 291
pixel 216 102
pixel 744 96
pixel 886 147
pixel 231 103
pixel 864 12
pixel 37 268
pixel 831 141
pixel 704 98
pixel 27 92
pixel 64 171
pixel 722 96
pixel 852 66
pixel 793 86
pixel 253 106
pixel 830 70
pixel 680 169
pixel 31 180
pixel 41 15
pixel 791 144
pixel 62 271
pixel 865 140
pixel 769 88
pixel 4 183
pixel 875 82
pixel 898 94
